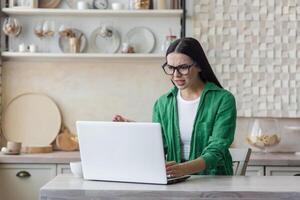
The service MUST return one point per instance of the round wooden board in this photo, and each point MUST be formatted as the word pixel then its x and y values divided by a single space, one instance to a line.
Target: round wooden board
pixel 49 3
pixel 37 149
pixel 33 119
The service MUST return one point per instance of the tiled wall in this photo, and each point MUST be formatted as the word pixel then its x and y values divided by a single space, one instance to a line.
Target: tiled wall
pixel 254 47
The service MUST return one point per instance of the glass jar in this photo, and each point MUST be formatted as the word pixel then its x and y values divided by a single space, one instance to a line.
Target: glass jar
pixel 168 40
pixel 141 4
pixel 264 134
pixel 126 48
pixel 11 27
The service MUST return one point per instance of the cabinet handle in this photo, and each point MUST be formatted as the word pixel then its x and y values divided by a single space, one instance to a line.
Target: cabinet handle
pixel 23 174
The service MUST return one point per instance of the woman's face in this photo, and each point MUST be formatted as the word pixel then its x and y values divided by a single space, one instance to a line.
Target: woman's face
pixel 183 81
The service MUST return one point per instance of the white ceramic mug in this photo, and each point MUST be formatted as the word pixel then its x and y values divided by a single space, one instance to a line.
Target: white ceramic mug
pixel 22 47
pixel 14 147
pixel 76 169
pixel 32 48
pixel 117 6
pixel 82 5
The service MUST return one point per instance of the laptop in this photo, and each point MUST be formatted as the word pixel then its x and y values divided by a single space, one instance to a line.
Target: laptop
pixel 123 152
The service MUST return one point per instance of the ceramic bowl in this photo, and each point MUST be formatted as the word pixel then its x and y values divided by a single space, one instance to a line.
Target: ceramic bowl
pixel 76 169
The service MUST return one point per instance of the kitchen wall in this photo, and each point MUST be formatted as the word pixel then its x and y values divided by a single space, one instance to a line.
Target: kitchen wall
pixel 89 90
pixel 94 90
pixel 254 49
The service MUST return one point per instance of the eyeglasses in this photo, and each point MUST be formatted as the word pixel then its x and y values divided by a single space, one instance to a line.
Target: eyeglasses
pixel 183 69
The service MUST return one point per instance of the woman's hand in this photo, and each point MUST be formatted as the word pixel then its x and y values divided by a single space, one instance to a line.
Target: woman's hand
pixel 175 170
pixel 190 167
pixel 119 118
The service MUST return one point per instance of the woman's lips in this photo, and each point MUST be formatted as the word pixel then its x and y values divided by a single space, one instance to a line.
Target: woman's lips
pixel 179 82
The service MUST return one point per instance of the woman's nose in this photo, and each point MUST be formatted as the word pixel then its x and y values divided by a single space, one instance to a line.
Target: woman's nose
pixel 176 73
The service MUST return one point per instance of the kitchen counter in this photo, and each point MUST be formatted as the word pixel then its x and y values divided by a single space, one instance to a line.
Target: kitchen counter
pixel 67 187
pixel 274 159
pixel 58 157
pixel 266 159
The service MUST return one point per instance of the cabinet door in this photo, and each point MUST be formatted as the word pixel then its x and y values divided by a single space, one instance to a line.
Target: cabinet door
pixel 23 181
pixel 255 171
pixel 282 171
pixel 63 169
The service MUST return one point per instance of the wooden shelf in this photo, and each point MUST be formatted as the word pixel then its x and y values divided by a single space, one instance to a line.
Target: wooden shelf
pixel 92 12
pixel 81 56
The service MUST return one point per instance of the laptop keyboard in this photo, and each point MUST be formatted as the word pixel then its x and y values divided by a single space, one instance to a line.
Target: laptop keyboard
pixel 177 179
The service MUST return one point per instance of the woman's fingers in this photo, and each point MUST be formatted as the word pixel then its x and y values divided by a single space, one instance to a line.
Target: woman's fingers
pixel 171 169
pixel 118 118
pixel 170 163
pixel 174 170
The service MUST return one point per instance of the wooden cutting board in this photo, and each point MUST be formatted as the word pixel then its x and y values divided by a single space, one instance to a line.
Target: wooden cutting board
pixel 33 119
pixel 37 149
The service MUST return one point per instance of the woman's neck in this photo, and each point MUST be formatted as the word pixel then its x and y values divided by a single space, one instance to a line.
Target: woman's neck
pixel 192 92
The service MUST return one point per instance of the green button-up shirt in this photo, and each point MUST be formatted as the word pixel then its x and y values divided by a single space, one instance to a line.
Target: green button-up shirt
pixel 213 129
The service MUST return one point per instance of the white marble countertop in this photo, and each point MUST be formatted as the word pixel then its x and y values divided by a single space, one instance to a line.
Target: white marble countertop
pixel 267 159
pixel 197 187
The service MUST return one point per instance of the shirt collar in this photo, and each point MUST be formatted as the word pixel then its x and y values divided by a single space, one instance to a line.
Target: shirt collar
pixel 207 87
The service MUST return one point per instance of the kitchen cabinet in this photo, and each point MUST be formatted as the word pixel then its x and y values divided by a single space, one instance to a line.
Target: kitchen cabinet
pixel 255 171
pixel 23 181
pixel 27 179
pixel 272 171
pixel 282 171
pixel 63 169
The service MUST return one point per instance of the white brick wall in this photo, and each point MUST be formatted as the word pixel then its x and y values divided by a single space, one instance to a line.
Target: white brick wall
pixel 254 48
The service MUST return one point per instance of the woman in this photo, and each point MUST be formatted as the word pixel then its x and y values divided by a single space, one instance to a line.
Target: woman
pixel 198 117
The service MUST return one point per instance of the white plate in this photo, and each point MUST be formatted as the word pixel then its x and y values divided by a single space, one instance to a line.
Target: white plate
pixel 33 119
pixel 100 44
pixel 63 42
pixel 142 39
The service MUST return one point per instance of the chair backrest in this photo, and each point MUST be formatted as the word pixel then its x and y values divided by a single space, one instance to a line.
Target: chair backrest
pixel 240 158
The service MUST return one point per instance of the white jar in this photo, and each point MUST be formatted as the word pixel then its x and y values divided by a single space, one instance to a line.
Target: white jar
pixel 22 48
pixel 32 48
pixel 161 4
pixel 82 5
pixel 117 6
pixel 34 3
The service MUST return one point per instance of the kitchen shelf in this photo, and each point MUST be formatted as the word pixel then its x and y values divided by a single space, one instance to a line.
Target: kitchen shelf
pixel 81 56
pixel 93 12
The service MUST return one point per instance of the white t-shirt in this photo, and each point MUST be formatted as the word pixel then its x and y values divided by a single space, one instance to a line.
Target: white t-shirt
pixel 186 114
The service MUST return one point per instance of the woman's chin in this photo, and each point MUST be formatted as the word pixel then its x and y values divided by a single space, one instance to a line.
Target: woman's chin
pixel 181 87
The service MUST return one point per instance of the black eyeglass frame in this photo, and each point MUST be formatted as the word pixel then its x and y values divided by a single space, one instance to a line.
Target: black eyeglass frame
pixel 177 68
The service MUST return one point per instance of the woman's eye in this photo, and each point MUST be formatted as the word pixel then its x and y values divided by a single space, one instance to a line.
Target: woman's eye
pixel 184 66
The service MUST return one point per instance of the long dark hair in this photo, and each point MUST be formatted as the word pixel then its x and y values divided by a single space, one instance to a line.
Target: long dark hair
pixel 192 48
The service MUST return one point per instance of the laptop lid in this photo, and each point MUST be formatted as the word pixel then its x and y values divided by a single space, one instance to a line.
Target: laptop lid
pixel 121 151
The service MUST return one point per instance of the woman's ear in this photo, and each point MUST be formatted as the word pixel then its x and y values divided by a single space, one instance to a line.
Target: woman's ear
pixel 199 69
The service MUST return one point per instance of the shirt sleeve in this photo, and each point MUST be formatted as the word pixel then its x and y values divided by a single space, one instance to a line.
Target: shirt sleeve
pixel 222 133
pixel 157 119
